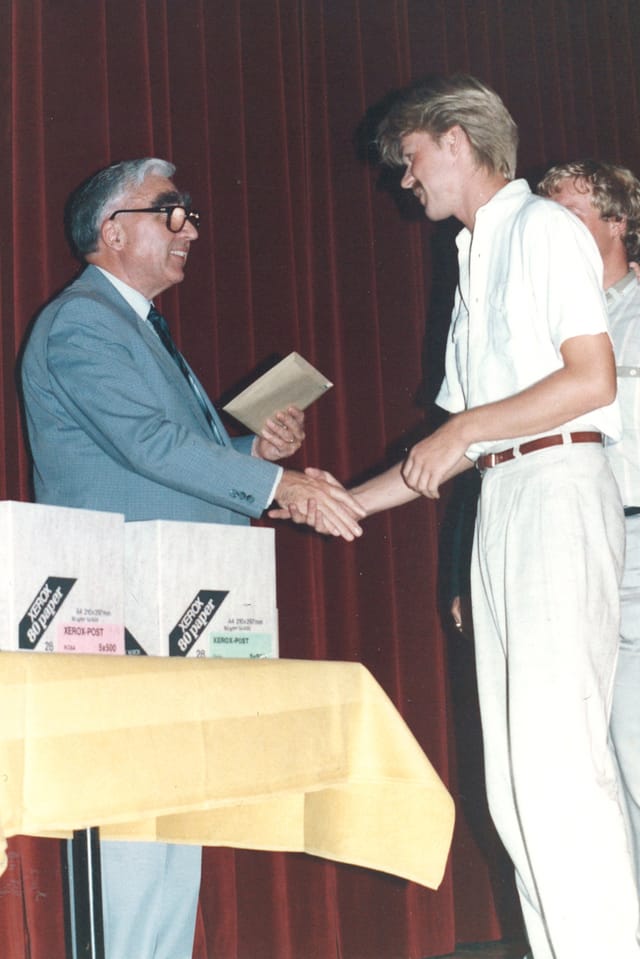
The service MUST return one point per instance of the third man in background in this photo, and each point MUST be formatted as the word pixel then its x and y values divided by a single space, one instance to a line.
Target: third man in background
pixel 606 198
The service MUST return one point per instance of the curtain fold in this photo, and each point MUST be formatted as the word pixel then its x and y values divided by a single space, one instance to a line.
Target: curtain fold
pixel 265 106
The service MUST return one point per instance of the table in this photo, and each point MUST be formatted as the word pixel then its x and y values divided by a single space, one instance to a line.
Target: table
pixel 282 755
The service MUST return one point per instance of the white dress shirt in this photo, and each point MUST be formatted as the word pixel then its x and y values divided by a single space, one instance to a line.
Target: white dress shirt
pixel 623 303
pixel 530 278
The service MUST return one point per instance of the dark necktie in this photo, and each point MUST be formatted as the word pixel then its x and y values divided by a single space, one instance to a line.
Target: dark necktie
pixel 161 327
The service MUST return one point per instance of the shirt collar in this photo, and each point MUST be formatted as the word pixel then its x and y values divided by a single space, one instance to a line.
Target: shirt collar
pixel 618 290
pixel 513 193
pixel 138 303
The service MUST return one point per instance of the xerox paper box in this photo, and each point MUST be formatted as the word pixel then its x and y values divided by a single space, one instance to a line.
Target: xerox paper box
pixel 61 579
pixel 200 589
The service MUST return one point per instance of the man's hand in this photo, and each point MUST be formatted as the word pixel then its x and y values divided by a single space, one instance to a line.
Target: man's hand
pixel 461 613
pixel 316 498
pixel 282 435
pixel 435 459
pixel 456 612
pixel 585 382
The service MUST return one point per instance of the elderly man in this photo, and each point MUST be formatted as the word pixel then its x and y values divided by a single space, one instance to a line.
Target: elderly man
pixel 117 421
pixel 530 383
pixel 606 198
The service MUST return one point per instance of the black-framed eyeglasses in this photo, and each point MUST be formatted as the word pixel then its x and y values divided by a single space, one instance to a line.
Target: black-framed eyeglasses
pixel 177 215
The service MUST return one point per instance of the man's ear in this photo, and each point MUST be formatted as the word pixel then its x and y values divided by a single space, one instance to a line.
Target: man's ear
pixel 618 228
pixel 454 139
pixel 112 234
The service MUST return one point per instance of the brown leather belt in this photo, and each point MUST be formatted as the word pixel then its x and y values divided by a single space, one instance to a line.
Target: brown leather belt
pixel 556 439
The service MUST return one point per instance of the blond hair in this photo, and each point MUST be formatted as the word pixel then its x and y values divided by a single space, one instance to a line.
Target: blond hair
pixel 436 105
pixel 614 193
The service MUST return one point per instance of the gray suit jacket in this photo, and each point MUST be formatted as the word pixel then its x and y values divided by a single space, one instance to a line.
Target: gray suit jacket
pixel 114 425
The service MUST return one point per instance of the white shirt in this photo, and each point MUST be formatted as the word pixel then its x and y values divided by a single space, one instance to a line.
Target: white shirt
pixel 623 302
pixel 530 278
pixel 136 300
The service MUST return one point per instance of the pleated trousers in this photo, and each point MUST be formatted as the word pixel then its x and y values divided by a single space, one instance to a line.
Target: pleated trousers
pixel 546 571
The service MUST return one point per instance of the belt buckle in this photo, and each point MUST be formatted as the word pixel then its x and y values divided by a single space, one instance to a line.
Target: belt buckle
pixel 489 460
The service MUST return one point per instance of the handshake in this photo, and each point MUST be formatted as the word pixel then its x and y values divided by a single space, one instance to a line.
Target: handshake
pixel 317 499
pixel 314 497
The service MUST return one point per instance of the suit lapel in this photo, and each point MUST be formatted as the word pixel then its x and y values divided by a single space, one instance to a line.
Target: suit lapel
pixel 93 278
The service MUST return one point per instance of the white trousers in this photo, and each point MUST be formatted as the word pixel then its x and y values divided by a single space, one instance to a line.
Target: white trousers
pixel 545 580
pixel 149 899
pixel 625 716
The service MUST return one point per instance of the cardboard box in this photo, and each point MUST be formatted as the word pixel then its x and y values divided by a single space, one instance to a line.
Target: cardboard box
pixel 61 587
pixel 200 589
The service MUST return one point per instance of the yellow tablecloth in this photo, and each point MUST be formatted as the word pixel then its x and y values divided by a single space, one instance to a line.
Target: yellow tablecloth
pixel 262 754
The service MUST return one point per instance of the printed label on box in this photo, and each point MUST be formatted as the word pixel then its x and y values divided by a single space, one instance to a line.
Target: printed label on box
pixel 131 645
pixel 104 638
pixel 241 645
pixel 43 610
pixel 194 620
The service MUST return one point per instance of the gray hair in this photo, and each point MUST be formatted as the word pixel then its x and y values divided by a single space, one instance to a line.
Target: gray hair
pixel 614 193
pixel 99 196
pixel 436 105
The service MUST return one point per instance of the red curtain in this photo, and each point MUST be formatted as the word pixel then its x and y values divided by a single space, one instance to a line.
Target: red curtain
pixel 262 106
